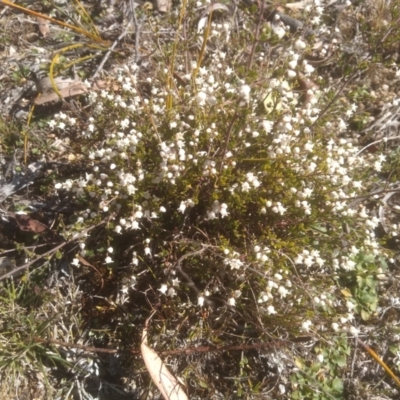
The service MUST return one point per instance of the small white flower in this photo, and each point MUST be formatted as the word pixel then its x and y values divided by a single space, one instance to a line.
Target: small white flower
pixel 271 310
pixel 283 291
pixel 75 262
pixel 305 326
pixel 244 92
pixel 224 210
pixel 171 292
pixel 124 123
pixel 200 301
pixel 182 207
pixel 308 69
pixel 299 45
pixel 235 263
pixel 354 331
pixel 163 289
pixel 201 98
pixel 175 282
pixel 232 301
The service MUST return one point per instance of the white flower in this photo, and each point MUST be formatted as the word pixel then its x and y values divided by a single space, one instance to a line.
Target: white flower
pixel 224 210
pixel 271 310
pixel 201 98
pixel 308 146
pixel 320 358
pixel 182 207
pixel 267 126
pixel 200 301
pixel 75 262
pixel 175 282
pixel 354 331
pixel 283 291
pixel 232 301
pixel 171 292
pixel 335 326
pixel 305 326
pixel 244 92
pixel 299 45
pixel 308 69
pixel 124 123
pixel 163 289
pixel 235 263
pixel 350 306
pixel 108 260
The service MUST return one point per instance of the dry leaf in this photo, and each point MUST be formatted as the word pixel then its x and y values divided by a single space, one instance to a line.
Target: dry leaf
pixel 168 385
pixel 164 5
pixel 298 5
pixel 28 224
pixel 68 87
pixel 44 26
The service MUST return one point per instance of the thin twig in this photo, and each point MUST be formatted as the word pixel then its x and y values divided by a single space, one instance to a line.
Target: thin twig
pixel 226 144
pixel 138 27
pixel 109 51
pixel 132 20
pixel 385 139
pixel 256 36
pixel 190 350
pixel 187 277
pixel 353 361
pixel 335 97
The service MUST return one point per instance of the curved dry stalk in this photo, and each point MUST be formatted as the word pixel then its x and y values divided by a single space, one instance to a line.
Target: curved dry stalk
pixel 8 3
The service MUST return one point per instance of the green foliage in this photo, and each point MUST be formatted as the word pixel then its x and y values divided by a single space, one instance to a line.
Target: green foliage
pixel 364 284
pixel 321 381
